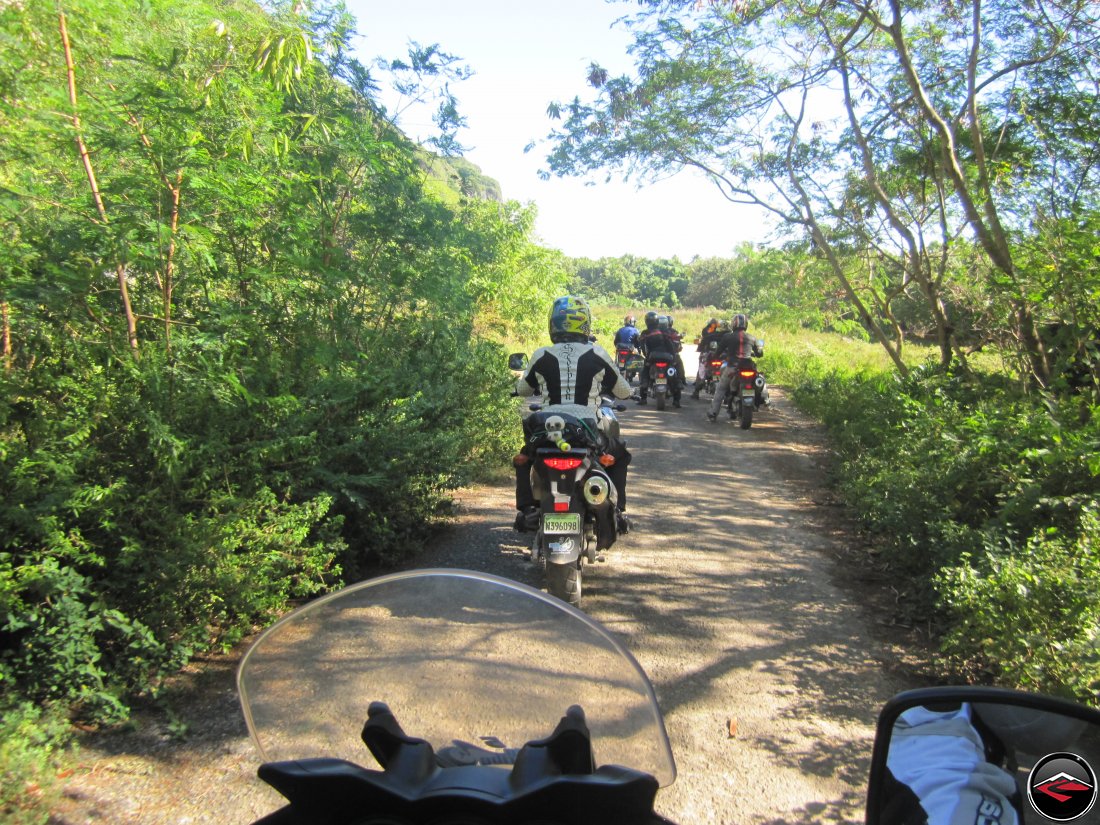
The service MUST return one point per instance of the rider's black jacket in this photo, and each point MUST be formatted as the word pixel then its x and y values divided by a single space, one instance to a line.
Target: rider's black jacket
pixel 736 345
pixel 654 340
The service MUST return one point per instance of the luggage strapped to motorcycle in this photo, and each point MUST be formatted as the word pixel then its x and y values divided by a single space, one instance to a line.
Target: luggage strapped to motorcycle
pixel 574 425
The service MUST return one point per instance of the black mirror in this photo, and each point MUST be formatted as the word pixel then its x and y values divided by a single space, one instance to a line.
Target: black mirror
pixel 517 361
pixel 983 755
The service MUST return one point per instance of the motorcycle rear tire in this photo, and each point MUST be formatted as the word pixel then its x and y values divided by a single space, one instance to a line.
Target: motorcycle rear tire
pixel 563 581
pixel 660 401
pixel 746 416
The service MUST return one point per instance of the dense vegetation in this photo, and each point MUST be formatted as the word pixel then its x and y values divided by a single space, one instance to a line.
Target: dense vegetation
pixel 980 502
pixel 248 341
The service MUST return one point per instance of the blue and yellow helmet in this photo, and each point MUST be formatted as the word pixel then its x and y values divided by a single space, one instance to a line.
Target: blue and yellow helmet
pixel 570 319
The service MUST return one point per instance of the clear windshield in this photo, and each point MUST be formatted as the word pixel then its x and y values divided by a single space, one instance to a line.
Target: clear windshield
pixel 459 657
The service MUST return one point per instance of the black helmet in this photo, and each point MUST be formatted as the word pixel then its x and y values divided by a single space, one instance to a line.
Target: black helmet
pixel 664 322
pixel 651 320
pixel 629 320
pixel 739 321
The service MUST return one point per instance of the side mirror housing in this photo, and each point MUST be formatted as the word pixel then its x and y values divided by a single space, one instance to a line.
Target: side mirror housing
pixel 517 361
pixel 1014 747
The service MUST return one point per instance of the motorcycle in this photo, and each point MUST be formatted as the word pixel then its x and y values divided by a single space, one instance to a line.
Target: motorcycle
pixel 479 667
pixel 577 497
pixel 569 462
pixel 746 394
pixel 664 378
pixel 628 361
pixel 712 368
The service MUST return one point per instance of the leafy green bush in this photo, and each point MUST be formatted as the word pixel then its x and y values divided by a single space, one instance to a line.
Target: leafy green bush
pixel 982 500
pixel 1030 615
pixel 29 741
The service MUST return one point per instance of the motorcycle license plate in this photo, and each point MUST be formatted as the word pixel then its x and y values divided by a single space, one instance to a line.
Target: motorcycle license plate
pixel 661 381
pixel 561 523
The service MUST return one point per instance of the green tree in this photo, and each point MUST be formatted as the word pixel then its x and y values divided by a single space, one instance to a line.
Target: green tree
pixel 316 320
pixel 880 136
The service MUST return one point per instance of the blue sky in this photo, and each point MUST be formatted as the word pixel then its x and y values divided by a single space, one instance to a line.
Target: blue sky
pixel 526 54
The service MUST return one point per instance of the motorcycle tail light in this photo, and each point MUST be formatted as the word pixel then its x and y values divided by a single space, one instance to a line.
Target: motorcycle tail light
pixel 607 460
pixel 561 506
pixel 716 363
pixel 661 364
pixel 748 373
pixel 562 463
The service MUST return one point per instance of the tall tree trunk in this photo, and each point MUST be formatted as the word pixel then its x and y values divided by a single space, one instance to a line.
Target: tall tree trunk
pixel 914 261
pixel 170 262
pixel 987 227
pixel 120 269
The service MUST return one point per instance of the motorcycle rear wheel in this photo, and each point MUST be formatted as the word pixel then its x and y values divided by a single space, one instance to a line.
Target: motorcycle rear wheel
pixel 660 401
pixel 563 581
pixel 746 416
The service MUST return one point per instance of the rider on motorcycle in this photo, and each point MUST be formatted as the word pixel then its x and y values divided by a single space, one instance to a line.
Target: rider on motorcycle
pixel 661 336
pixel 713 331
pixel 628 334
pixel 571 374
pixel 736 346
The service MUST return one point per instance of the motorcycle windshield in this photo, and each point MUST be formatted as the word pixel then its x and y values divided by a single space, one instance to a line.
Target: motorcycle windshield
pixel 459 657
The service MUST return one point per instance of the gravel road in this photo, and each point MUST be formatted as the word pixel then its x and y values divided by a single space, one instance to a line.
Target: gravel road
pixel 736 593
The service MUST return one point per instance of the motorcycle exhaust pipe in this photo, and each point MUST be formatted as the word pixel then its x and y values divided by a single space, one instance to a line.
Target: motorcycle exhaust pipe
pixel 759 381
pixel 597 490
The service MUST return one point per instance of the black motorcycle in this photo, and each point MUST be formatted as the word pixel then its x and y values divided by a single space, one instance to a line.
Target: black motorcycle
pixel 712 368
pixel 746 394
pixel 476 665
pixel 569 462
pixel 664 378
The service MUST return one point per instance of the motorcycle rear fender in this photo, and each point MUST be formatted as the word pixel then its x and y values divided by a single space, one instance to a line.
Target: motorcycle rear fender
pixel 559 485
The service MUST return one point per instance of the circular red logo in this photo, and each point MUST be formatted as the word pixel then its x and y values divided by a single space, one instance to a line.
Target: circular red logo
pixel 1062 787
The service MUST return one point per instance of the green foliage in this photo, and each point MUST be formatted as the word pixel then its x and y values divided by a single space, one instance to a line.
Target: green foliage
pixel 982 501
pixel 630 279
pixel 881 143
pixel 30 739
pixel 315 364
pixel 1030 614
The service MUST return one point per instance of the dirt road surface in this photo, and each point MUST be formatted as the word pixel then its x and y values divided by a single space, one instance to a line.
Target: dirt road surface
pixel 735 593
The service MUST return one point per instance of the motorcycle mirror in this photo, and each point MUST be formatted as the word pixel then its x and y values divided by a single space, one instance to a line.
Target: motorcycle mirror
pixel 1004 753
pixel 517 361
